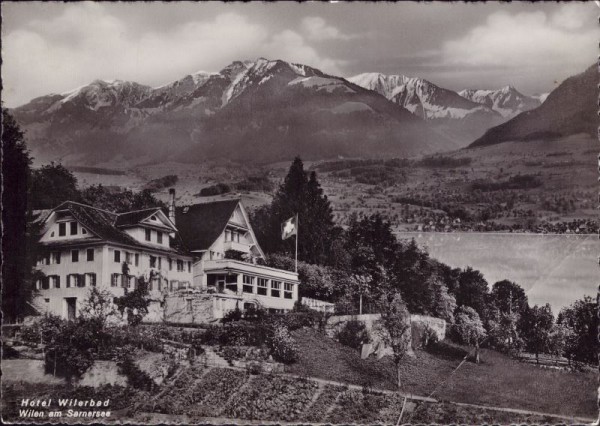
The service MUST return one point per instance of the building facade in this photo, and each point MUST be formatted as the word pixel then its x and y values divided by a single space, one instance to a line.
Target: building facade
pixel 200 261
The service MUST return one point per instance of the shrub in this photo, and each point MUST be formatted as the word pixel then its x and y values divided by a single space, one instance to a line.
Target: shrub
pixel 429 338
pixel 353 334
pixel 72 346
pixel 136 378
pixel 238 333
pixel 8 352
pixel 282 345
pixel 234 315
pixel 295 320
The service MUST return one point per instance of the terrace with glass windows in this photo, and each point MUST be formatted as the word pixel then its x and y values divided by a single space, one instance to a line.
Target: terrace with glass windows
pixel 266 287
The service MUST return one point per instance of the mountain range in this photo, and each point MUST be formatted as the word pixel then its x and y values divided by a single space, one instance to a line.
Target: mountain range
pixel 260 111
pixel 569 109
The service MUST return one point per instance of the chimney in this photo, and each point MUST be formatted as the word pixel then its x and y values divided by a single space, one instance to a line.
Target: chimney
pixel 172 205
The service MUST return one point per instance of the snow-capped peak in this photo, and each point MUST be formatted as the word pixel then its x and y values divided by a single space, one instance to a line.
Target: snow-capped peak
pixel 507 100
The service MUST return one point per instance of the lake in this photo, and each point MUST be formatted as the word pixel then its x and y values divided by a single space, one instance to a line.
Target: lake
pixel 555 269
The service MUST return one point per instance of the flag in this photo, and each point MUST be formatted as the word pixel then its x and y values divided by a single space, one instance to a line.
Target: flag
pixel 289 228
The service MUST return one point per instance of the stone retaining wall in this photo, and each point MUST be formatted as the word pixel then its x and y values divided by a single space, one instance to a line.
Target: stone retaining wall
pixel 419 325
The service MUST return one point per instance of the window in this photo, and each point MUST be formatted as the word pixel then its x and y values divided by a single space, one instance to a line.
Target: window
pixel 133 282
pixel 159 237
pixel 153 261
pixel 170 264
pixel 114 280
pixel 275 288
pixel 137 259
pixel 262 286
pixel 74 255
pixel 189 266
pixel 288 290
pixel 90 279
pixel 47 259
pixel 73 226
pixel 227 235
pixel 55 257
pixel 90 255
pixel 179 265
pixel 118 256
pixel 47 300
pixel 62 229
pixel 159 262
pixel 174 285
pixel 55 280
pixel 128 257
pixel 83 231
pixel 188 305
pixel 124 281
pixel 248 284
pixel 148 235
pixel 75 280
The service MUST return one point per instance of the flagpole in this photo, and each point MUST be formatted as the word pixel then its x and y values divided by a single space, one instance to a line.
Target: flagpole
pixel 297 228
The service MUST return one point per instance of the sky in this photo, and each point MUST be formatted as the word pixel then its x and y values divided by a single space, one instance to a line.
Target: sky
pixel 54 47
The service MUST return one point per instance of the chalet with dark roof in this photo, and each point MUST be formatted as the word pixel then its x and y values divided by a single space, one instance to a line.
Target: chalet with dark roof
pixel 202 252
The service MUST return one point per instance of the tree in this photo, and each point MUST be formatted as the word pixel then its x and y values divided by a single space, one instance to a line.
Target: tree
pixel 51 185
pixel 135 303
pixel 98 305
pixel 503 333
pixel 559 339
pixel 18 234
pixel 316 230
pixel 582 318
pixel 538 324
pixel 509 297
pixel 472 291
pixel 445 303
pixel 469 328
pixel 395 320
pixel 118 200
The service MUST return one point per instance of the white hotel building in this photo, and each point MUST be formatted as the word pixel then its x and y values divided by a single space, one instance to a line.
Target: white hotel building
pixel 194 251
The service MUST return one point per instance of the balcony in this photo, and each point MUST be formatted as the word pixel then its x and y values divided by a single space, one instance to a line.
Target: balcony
pixel 234 245
pixel 227 265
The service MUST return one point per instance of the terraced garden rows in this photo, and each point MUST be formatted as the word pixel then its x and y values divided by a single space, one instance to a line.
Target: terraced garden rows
pixel 201 392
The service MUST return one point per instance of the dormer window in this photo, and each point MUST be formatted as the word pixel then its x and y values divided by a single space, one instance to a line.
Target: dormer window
pixel 73 227
pixel 148 235
pixel 62 229
pixel 83 231
pixel 159 237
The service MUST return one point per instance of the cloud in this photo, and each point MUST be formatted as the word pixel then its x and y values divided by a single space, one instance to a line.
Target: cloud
pixel 293 48
pixel 86 42
pixel 527 40
pixel 317 29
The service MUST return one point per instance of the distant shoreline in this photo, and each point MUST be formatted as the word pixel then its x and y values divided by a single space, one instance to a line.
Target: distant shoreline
pixel 494 233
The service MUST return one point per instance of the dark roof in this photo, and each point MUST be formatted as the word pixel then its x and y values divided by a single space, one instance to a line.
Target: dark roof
pixel 103 224
pixel 135 217
pixel 200 225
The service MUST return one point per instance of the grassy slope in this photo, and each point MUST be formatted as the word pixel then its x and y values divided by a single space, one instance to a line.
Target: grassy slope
pixel 498 381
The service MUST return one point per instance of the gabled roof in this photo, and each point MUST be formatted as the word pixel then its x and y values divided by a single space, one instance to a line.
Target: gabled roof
pixel 102 223
pixel 135 217
pixel 200 225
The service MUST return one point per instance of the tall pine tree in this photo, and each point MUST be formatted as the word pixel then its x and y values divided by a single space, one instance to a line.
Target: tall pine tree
pixel 17 282
pixel 303 196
